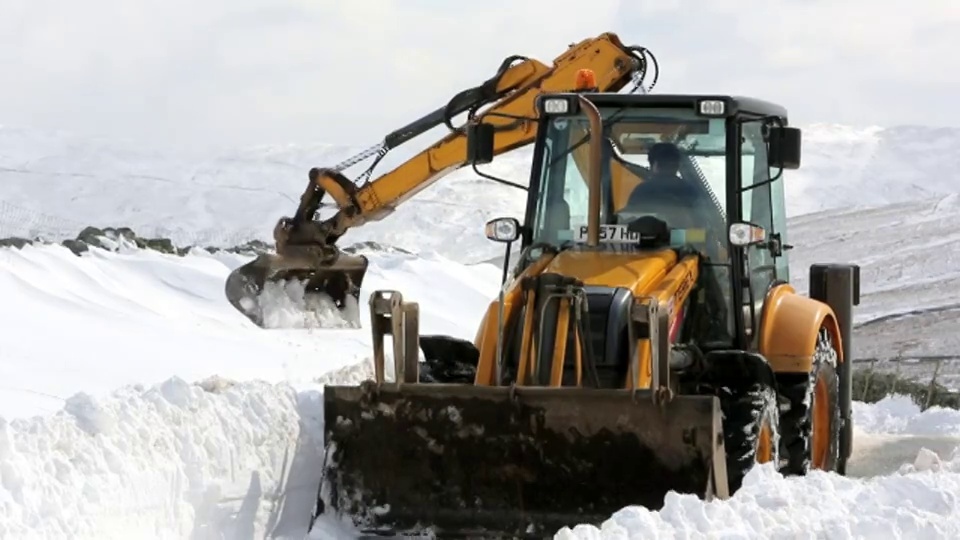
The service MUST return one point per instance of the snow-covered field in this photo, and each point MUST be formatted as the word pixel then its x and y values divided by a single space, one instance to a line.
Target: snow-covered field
pixel 137 404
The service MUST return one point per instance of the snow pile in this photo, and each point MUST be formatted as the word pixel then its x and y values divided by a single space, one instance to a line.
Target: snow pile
pixel 172 461
pixel 921 504
pixel 899 415
pixel 286 305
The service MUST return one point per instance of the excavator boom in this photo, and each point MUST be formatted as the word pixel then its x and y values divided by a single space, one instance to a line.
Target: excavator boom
pixel 306 252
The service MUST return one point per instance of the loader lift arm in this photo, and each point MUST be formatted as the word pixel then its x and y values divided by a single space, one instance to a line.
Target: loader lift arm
pixel 306 247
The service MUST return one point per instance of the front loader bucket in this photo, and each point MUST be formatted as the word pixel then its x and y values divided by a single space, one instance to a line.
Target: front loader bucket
pixel 463 460
pixel 289 282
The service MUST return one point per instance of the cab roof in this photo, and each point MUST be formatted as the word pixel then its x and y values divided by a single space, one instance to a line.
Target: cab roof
pixel 734 104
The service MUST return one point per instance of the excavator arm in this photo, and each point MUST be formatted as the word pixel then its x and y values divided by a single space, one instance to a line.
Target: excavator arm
pixel 305 247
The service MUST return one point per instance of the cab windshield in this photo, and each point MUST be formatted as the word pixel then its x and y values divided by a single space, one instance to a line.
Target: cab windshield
pixel 668 163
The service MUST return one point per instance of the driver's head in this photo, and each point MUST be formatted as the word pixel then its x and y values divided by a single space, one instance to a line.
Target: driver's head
pixel 664 158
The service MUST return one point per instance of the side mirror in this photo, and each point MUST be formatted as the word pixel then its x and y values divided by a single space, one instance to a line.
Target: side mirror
pixel 479 143
pixel 505 230
pixel 784 152
pixel 746 234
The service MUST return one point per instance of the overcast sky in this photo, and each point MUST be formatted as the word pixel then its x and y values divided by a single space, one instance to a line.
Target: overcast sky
pixel 238 72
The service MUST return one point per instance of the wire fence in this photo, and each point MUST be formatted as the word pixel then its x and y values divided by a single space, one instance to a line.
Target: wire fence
pixel 929 381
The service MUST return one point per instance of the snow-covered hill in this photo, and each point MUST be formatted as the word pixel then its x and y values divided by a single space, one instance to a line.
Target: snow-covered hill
pixel 871 166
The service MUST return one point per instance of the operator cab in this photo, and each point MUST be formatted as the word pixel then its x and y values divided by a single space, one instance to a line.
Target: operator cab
pixel 684 161
pixel 694 173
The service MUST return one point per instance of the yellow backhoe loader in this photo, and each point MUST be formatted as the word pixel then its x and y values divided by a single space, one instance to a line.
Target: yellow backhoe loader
pixel 646 340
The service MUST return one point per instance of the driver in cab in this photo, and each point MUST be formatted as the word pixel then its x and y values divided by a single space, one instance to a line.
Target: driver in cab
pixel 663 193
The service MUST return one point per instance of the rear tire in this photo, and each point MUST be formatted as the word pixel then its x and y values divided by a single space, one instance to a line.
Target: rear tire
pixel 811 427
pixel 750 428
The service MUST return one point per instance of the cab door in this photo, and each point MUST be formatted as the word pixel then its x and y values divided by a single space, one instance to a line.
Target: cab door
pixel 762 204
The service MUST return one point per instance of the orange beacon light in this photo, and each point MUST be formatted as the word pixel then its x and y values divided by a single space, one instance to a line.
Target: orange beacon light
pixel 586 80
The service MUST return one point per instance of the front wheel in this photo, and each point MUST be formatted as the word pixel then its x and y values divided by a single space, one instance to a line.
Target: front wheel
pixel 750 428
pixel 811 426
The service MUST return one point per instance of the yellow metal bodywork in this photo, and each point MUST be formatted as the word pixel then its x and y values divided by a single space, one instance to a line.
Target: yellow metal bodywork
pixel 789 327
pixel 789 322
pixel 660 275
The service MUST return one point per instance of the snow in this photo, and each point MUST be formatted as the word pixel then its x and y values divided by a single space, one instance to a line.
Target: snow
pixel 872 166
pixel 108 319
pixel 135 402
pixel 228 199
pixel 899 415
pixel 921 504
pixel 241 459
pixel 156 462
pixel 221 459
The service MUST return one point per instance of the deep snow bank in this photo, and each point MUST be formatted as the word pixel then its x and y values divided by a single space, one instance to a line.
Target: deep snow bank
pixel 899 415
pixel 103 320
pixel 172 461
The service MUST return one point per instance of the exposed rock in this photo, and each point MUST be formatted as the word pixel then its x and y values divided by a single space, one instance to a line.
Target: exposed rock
pixel 14 242
pixel 124 238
